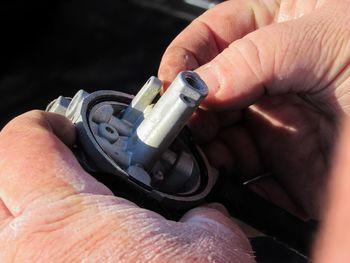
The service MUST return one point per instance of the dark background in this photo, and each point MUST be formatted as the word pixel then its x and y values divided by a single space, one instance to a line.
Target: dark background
pixel 60 47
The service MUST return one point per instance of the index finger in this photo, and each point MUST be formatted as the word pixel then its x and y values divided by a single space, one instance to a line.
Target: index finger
pixel 212 32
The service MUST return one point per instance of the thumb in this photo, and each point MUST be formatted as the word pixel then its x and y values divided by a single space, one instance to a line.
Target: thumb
pixel 215 219
pixel 290 57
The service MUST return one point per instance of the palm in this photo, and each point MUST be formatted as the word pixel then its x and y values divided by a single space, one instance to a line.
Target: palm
pixel 294 141
pixel 282 136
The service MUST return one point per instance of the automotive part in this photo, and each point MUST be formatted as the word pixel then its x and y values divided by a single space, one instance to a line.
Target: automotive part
pixel 141 143
pixel 141 151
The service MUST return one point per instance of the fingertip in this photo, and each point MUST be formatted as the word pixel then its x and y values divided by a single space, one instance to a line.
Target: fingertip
pixel 63 128
pixel 219 207
pixel 45 170
pixel 214 219
pixel 45 121
pixel 225 87
pixel 175 60
pixel 234 77
pixel 209 215
pixel 52 122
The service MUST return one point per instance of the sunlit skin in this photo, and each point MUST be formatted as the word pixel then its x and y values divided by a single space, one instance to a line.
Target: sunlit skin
pixel 278 76
pixel 51 210
pixel 333 241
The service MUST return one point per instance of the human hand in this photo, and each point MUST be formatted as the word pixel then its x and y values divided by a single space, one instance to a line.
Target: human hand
pixel 278 76
pixel 51 210
pixel 333 240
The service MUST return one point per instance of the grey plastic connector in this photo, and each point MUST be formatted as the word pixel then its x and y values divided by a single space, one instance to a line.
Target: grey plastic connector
pixel 167 118
pixel 59 105
pixel 142 143
pixel 104 114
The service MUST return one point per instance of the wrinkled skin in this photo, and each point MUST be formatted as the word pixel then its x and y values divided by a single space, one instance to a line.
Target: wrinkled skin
pixel 278 77
pixel 51 210
pixel 287 61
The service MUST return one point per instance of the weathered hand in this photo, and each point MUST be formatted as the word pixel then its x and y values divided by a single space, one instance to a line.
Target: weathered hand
pixel 278 74
pixel 51 210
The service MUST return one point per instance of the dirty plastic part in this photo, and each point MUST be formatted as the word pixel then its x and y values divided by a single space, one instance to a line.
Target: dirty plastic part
pixel 144 143
pixel 142 100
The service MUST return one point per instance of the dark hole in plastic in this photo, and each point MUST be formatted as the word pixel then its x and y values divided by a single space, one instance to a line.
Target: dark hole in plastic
pixel 109 129
pixel 187 99
pixel 193 82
